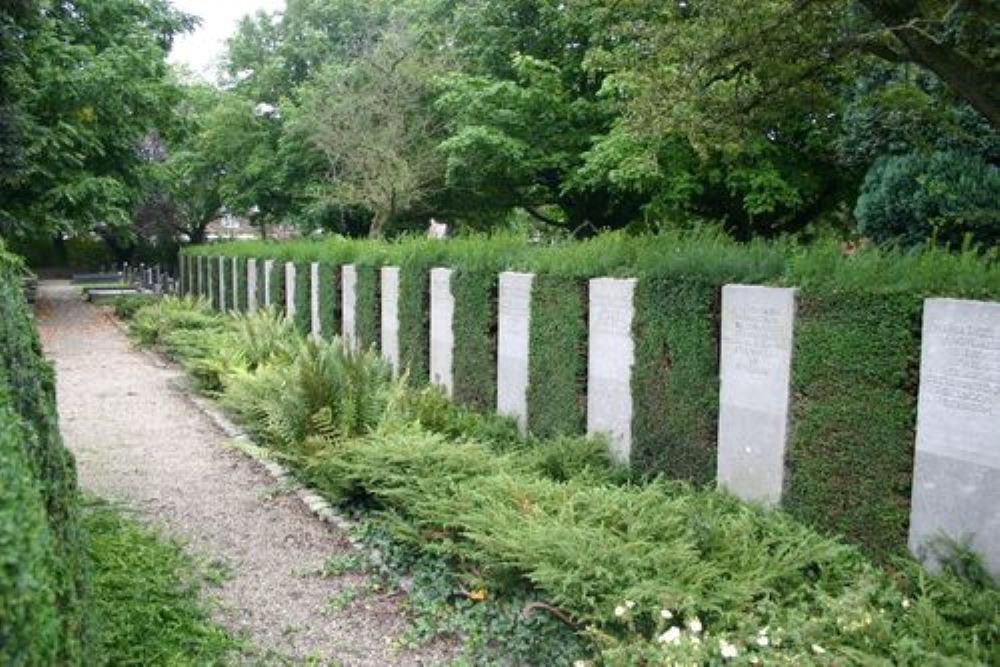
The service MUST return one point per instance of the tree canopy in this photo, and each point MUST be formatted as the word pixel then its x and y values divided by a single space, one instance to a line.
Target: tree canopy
pixel 764 117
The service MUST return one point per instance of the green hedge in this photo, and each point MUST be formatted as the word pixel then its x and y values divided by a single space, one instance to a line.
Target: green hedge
pixel 675 379
pixel 557 360
pixel 43 585
pixel 277 286
pixel 242 301
pixel 329 300
pixel 852 432
pixel 303 305
pixel 854 382
pixel 475 327
pixel 367 319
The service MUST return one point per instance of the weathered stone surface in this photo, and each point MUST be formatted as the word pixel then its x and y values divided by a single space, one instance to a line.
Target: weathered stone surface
pixel 211 276
pixel 268 270
pixel 610 356
pixel 290 290
pixel 349 304
pixel 252 285
pixel 202 286
pixel 514 317
pixel 442 334
pixel 956 485
pixel 390 315
pixel 315 325
pixel 235 272
pixel 222 284
pixel 758 325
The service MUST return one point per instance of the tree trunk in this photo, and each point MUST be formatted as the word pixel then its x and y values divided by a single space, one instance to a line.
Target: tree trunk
pixel 976 85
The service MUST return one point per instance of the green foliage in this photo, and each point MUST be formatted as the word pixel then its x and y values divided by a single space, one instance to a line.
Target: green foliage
pixel 475 330
pixel 557 364
pixel 367 321
pixel 43 579
pixel 947 197
pixel 127 306
pixel 518 519
pixel 329 300
pixel 854 381
pixel 303 304
pixel 675 384
pixel 277 295
pixel 146 593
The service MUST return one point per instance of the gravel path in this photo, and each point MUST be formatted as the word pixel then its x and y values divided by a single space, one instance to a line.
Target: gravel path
pixel 139 441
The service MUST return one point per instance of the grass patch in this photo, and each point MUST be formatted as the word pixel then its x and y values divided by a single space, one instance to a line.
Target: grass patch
pixel 145 593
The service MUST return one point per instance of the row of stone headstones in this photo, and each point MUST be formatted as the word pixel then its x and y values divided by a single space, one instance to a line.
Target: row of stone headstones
pixel 152 278
pixel 956 486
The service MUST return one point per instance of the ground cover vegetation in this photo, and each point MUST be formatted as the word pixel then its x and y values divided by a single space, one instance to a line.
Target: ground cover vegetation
pixel 538 547
pixel 850 118
pixel 80 584
pixel 858 327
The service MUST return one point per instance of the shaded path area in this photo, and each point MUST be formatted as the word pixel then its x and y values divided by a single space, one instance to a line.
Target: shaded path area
pixel 140 442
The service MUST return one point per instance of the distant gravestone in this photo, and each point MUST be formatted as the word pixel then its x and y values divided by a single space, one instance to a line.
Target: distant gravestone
pixel 956 484
pixel 211 292
pixel 315 325
pixel 610 356
pixel 390 315
pixel 202 287
pixel 234 271
pixel 290 289
pixel 514 317
pixel 758 326
pixel 222 284
pixel 268 270
pixel 349 304
pixel 442 334
pixel 251 285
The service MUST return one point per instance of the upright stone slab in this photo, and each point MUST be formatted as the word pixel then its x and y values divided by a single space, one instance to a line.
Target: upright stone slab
pixel 442 333
pixel 758 326
pixel 349 304
pixel 212 292
pixel 610 356
pixel 268 269
pixel 390 315
pixel 956 481
pixel 315 325
pixel 222 284
pixel 234 271
pixel 513 326
pixel 201 276
pixel 251 285
pixel 290 290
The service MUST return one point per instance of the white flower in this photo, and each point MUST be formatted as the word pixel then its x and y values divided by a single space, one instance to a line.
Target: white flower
pixel 666 614
pixel 762 640
pixel 630 604
pixel 728 650
pixel 694 625
pixel 906 603
pixel 620 610
pixel 818 650
pixel 671 636
pixel 581 663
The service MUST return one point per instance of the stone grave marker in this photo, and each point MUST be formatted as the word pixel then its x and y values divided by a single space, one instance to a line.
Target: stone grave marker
pixel 268 270
pixel 390 315
pixel 611 354
pixel 442 338
pixel 251 285
pixel 316 326
pixel 514 317
pixel 349 304
pixel 755 373
pixel 290 289
pixel 956 484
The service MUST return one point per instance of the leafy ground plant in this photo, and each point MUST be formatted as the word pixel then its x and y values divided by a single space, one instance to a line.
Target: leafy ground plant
pixel 146 596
